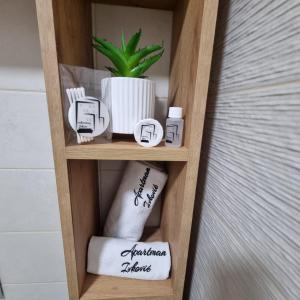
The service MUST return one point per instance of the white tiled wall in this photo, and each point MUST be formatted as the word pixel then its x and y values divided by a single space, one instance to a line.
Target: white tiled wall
pixel 31 253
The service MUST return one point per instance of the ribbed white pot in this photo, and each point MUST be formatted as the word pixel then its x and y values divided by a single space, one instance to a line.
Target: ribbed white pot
pixel 130 100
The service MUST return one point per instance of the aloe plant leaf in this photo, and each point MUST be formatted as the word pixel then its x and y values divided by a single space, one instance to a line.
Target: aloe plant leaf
pixel 123 45
pixel 133 42
pixel 113 71
pixel 115 59
pixel 111 47
pixel 145 65
pixel 134 60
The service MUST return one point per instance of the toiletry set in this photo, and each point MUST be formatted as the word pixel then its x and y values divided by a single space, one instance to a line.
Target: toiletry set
pixel 149 132
pixel 89 117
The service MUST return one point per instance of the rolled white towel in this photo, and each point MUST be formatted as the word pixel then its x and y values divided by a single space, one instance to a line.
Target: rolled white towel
pixel 140 186
pixel 117 257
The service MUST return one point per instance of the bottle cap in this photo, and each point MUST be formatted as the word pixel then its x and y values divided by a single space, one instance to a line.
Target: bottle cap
pixel 175 112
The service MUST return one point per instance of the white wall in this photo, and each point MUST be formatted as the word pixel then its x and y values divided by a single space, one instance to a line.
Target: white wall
pixel 246 246
pixel 31 253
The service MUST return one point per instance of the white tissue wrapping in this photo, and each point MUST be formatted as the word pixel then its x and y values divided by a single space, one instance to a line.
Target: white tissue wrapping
pixel 140 186
pixel 117 257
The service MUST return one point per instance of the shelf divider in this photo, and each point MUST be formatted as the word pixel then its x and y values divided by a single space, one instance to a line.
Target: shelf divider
pixel 125 150
pixel 109 287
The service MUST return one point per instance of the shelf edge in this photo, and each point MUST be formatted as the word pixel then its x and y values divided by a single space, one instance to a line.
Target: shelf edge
pixel 107 153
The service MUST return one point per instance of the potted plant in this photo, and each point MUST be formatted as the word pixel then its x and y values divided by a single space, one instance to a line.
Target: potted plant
pixel 129 94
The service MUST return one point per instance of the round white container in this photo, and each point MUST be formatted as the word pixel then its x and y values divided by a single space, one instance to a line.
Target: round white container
pixel 129 100
pixel 148 133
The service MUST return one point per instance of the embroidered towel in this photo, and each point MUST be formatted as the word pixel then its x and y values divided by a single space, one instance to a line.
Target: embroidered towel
pixel 117 257
pixel 140 186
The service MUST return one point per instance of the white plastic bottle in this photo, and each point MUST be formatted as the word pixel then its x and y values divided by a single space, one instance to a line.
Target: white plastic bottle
pixel 174 127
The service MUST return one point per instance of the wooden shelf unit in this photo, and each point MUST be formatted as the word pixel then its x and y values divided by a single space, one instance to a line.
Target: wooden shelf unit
pixel 65 35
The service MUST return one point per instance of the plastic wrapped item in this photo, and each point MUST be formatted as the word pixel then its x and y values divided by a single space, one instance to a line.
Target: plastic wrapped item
pixel 90 80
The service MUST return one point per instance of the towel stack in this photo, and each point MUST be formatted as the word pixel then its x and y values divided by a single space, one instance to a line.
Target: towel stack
pixel 119 253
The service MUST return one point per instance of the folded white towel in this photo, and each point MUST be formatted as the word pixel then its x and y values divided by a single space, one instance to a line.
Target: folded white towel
pixel 117 257
pixel 140 186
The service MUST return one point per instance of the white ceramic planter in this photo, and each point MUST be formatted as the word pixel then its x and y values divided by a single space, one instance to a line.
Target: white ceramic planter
pixel 129 100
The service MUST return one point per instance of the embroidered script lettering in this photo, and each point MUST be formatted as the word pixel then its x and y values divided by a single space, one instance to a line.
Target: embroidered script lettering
pixel 127 267
pixel 138 193
pixel 151 196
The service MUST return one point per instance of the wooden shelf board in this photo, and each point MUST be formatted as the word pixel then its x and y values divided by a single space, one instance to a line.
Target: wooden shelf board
pixel 154 4
pixel 109 287
pixel 125 150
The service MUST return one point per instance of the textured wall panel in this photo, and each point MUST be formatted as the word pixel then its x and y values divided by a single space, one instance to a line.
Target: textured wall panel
pixel 260 44
pixel 246 234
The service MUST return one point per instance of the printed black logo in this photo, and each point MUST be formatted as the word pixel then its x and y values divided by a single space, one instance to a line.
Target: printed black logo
pixel 148 133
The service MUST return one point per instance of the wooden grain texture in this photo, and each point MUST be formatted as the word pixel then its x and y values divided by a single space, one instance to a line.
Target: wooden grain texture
pixel 73 32
pixel 123 150
pixel 63 35
pixel 83 180
pixel 155 4
pixel 172 214
pixel 188 88
pixel 248 238
pixel 185 53
pixel 72 20
pixel 113 288
pixel 51 73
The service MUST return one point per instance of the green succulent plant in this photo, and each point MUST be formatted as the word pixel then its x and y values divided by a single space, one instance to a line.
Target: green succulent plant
pixel 127 61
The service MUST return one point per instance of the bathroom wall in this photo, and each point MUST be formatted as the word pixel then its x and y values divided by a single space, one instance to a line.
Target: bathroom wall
pixel 31 253
pixel 246 245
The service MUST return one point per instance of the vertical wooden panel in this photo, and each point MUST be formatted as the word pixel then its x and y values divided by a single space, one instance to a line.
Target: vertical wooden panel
pixel 73 38
pixel 73 28
pixel 65 34
pixel 172 211
pixel 83 178
pixel 188 88
pixel 187 22
pixel 51 73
